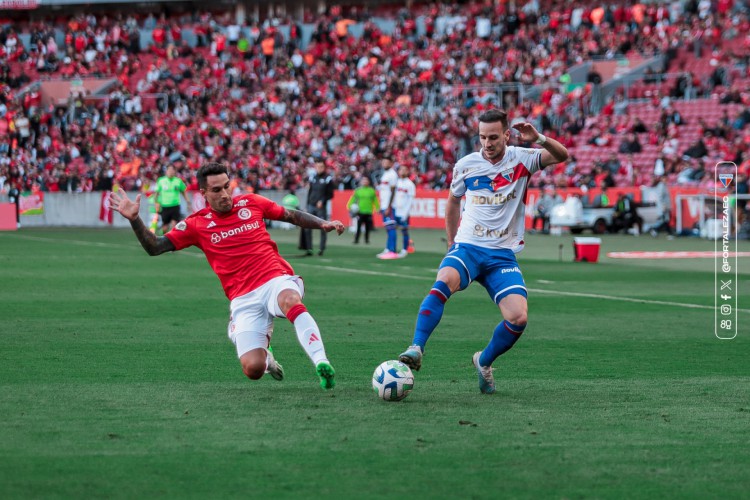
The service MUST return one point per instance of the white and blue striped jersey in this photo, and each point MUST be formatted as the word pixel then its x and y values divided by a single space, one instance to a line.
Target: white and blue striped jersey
pixel 493 214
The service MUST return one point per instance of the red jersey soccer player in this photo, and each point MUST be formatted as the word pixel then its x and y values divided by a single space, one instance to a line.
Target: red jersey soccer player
pixel 259 283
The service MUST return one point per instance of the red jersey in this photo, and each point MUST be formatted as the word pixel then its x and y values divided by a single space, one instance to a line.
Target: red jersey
pixel 236 244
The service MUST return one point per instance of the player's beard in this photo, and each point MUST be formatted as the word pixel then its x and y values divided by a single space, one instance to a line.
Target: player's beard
pixel 221 206
pixel 494 155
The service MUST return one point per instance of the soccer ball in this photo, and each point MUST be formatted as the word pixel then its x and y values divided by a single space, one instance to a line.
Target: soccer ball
pixel 353 209
pixel 392 380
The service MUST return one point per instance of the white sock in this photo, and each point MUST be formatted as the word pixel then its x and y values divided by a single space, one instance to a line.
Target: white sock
pixel 309 337
pixel 268 359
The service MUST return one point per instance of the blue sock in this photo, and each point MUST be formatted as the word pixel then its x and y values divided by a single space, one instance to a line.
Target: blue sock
pixel 391 243
pixel 430 313
pixel 405 233
pixel 506 334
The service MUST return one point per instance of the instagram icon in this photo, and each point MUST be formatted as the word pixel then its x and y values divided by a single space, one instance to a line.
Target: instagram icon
pixel 725 253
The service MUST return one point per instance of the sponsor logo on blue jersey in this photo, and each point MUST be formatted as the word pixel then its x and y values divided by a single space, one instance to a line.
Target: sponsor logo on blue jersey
pixel 495 199
pixel 504 178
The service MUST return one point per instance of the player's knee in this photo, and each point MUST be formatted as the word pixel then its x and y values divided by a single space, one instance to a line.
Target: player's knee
pixel 252 370
pixel 451 278
pixel 519 317
pixel 288 299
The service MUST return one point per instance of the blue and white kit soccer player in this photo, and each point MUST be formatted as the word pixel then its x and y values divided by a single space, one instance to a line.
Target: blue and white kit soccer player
pixel 402 202
pixel 386 190
pixel 483 245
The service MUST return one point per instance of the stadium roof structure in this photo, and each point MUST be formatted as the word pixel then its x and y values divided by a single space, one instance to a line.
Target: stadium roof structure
pixel 35 4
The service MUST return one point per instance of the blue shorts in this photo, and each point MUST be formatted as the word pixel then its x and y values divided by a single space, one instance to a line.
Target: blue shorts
pixel 388 221
pixel 401 221
pixel 496 270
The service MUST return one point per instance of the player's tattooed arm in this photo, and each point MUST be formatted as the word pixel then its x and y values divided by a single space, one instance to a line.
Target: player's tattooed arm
pixel 309 221
pixel 152 244
pixel 119 201
pixel 302 219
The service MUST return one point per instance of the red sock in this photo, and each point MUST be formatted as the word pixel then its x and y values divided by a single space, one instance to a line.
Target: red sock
pixel 295 311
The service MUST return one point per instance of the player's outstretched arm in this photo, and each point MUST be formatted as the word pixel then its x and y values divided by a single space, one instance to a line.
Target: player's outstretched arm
pixel 154 245
pixel 309 221
pixel 554 152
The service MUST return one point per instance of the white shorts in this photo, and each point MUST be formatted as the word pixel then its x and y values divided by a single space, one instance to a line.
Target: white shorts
pixel 251 315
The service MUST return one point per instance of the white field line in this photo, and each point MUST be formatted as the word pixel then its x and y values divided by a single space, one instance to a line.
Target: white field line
pixel 402 275
pixel 538 290
pixel 72 242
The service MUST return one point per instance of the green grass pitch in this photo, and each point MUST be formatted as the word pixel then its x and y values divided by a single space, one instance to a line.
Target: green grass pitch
pixel 117 379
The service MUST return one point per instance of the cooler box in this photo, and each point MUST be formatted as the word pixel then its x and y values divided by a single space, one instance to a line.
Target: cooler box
pixel 586 249
pixel 8 217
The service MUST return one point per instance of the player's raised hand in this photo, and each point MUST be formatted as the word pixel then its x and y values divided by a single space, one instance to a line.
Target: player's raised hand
pixel 333 224
pixel 120 202
pixel 527 131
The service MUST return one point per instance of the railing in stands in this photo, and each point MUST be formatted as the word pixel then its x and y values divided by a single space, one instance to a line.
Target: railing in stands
pixel 447 95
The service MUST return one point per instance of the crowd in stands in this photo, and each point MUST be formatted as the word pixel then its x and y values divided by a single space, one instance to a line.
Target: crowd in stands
pixel 259 99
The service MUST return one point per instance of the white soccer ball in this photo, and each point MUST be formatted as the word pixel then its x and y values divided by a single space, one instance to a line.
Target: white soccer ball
pixel 354 209
pixel 392 380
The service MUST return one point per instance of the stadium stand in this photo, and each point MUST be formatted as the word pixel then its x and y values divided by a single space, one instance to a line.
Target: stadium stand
pixel 89 99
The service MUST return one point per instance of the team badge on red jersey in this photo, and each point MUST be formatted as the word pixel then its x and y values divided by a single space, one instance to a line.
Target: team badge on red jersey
pixel 726 179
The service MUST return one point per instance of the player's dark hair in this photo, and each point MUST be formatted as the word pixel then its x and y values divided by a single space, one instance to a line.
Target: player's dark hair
pixel 209 169
pixel 494 116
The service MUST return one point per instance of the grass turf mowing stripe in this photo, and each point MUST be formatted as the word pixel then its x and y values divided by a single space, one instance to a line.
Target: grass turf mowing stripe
pixel 537 290
pixel 407 276
pixel 117 381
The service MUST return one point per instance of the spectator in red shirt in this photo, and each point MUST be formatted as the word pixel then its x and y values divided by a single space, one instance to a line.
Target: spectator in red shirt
pixel 159 36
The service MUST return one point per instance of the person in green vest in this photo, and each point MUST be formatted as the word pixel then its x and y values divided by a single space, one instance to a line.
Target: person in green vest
pixel 626 216
pixel 243 45
pixel 147 190
pixel 291 202
pixel 602 200
pixel 362 204
pixel 168 190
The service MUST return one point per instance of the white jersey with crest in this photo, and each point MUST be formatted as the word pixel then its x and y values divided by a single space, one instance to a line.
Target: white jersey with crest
pixel 385 187
pixel 404 195
pixel 493 214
